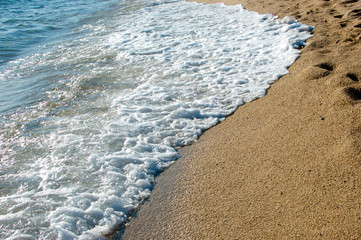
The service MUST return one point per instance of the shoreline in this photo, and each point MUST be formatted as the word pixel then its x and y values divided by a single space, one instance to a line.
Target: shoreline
pixel 286 165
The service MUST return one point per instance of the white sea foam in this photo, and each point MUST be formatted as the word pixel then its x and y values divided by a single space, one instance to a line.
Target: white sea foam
pixel 168 72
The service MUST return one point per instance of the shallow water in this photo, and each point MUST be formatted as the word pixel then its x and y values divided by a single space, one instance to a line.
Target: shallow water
pixel 93 108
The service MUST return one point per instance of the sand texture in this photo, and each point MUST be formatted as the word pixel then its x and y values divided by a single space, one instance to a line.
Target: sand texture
pixel 286 166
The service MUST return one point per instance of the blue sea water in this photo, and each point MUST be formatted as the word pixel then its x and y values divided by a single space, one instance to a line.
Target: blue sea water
pixel 28 23
pixel 96 97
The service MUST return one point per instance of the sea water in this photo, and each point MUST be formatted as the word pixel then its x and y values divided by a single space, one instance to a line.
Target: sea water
pixel 96 96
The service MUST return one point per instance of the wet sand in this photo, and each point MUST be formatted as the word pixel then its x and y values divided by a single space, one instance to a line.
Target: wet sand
pixel 286 166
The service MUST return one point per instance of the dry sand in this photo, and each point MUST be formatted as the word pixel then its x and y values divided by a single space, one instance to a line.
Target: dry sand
pixel 286 166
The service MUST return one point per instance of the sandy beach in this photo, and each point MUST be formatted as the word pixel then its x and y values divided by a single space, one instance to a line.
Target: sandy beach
pixel 285 166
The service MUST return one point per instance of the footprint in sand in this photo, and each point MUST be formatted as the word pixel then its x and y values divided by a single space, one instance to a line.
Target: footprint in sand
pixel 320 71
pixel 352 76
pixel 325 65
pixel 353 93
pixel 349 2
pixel 354 14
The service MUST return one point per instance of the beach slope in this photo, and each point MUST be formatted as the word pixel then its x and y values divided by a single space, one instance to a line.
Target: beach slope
pixel 285 166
